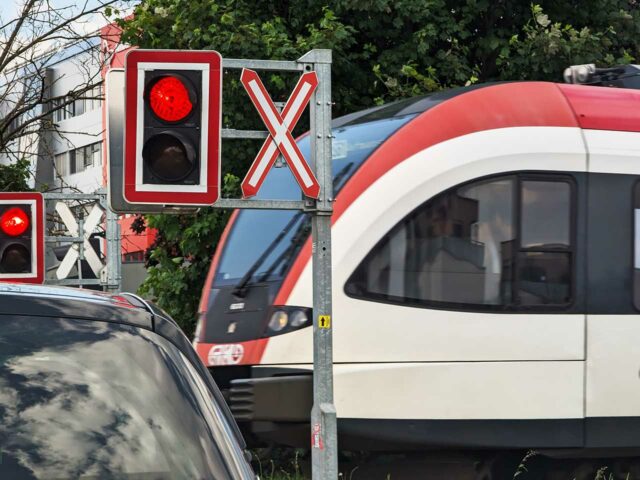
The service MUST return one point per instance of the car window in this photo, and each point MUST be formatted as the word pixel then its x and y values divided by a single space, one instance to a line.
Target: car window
pixel 101 400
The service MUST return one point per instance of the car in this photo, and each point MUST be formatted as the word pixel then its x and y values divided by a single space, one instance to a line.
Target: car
pixel 101 385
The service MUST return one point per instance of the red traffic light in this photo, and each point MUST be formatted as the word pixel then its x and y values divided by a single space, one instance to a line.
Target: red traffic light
pixel 14 222
pixel 170 100
pixel 21 237
pixel 171 129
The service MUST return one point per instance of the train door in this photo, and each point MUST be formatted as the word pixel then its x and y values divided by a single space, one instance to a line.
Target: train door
pixel 613 300
pixel 470 285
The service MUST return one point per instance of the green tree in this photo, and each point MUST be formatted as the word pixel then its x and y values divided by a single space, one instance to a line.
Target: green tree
pixel 14 177
pixel 383 50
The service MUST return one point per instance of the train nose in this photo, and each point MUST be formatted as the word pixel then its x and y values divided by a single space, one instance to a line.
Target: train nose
pixel 232 320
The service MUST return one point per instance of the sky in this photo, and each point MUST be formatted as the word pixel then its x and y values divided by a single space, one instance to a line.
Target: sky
pixel 10 9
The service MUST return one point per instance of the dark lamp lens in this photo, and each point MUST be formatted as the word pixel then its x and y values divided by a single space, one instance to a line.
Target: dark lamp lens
pixel 14 222
pixel 168 157
pixel 15 259
pixel 169 99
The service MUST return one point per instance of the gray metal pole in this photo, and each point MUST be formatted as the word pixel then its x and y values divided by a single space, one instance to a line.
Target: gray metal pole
pixel 114 251
pixel 324 440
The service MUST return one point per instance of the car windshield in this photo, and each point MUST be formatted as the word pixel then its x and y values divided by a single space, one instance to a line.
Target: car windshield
pixel 255 230
pixel 84 399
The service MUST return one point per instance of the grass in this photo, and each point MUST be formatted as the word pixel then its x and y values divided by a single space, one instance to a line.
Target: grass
pixel 285 464
pixel 287 468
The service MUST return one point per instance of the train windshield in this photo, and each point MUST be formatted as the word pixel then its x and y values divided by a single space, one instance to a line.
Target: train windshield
pixel 280 233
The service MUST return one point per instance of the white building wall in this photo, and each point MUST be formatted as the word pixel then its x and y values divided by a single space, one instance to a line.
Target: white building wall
pixel 79 129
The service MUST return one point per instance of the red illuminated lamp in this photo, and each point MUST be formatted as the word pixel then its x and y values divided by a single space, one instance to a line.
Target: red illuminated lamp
pixel 14 222
pixel 170 100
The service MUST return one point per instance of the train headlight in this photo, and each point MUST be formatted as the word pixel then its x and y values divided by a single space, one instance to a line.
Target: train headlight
pixel 278 321
pixel 298 318
pixel 284 319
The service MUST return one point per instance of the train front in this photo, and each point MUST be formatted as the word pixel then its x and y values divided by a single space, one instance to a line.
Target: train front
pixel 256 344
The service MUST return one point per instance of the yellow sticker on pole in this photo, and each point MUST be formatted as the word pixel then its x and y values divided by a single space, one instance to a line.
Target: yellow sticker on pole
pixel 324 321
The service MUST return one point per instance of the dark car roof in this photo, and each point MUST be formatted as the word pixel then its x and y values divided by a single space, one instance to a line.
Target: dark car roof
pixel 91 305
pixel 48 301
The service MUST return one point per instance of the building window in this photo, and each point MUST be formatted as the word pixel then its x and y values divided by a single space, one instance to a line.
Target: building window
pixel 73 166
pixel 95 101
pixel 96 153
pixel 58 111
pixel 79 159
pixel 498 243
pixel 78 106
pixel 61 164
pixel 133 257
pixel 90 100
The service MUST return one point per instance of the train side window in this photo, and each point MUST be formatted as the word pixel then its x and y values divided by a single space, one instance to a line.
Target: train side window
pixel 499 243
pixel 456 248
pixel 544 262
pixel 636 246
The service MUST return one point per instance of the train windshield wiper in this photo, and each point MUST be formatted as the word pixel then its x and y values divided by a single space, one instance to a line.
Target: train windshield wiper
pixel 300 235
pixel 240 289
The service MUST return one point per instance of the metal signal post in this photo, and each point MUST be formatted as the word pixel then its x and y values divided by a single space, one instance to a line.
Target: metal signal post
pixel 324 456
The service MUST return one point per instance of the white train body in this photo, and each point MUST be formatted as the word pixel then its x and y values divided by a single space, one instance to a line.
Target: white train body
pixel 484 279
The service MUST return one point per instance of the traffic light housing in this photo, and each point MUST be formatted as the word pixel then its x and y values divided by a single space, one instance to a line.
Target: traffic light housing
pixel 21 237
pixel 172 127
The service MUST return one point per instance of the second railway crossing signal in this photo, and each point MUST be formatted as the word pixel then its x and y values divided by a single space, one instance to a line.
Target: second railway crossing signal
pixel 21 237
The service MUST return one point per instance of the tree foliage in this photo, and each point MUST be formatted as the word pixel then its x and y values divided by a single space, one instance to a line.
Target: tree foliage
pixel 383 50
pixel 15 176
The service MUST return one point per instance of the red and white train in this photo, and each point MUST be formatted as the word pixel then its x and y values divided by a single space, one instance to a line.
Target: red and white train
pixel 486 278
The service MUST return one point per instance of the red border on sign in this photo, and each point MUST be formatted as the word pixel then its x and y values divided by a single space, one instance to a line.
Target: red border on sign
pixel 37 229
pixel 130 191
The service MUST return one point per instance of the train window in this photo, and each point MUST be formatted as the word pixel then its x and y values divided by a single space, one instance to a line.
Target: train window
pixel 454 249
pixel 636 246
pixel 545 213
pixel 544 278
pixel 544 260
pixel 499 243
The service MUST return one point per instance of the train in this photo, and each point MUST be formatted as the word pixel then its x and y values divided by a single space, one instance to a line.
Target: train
pixel 486 277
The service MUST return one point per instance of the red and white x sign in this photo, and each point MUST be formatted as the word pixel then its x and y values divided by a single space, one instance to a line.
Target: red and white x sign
pixel 280 126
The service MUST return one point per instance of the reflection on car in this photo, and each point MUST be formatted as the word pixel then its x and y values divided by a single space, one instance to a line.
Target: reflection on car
pixel 106 386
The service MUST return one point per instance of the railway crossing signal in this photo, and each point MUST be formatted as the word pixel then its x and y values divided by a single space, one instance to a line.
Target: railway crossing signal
pixel 172 127
pixel 22 237
pixel 170 157
pixel 91 222
pixel 280 126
